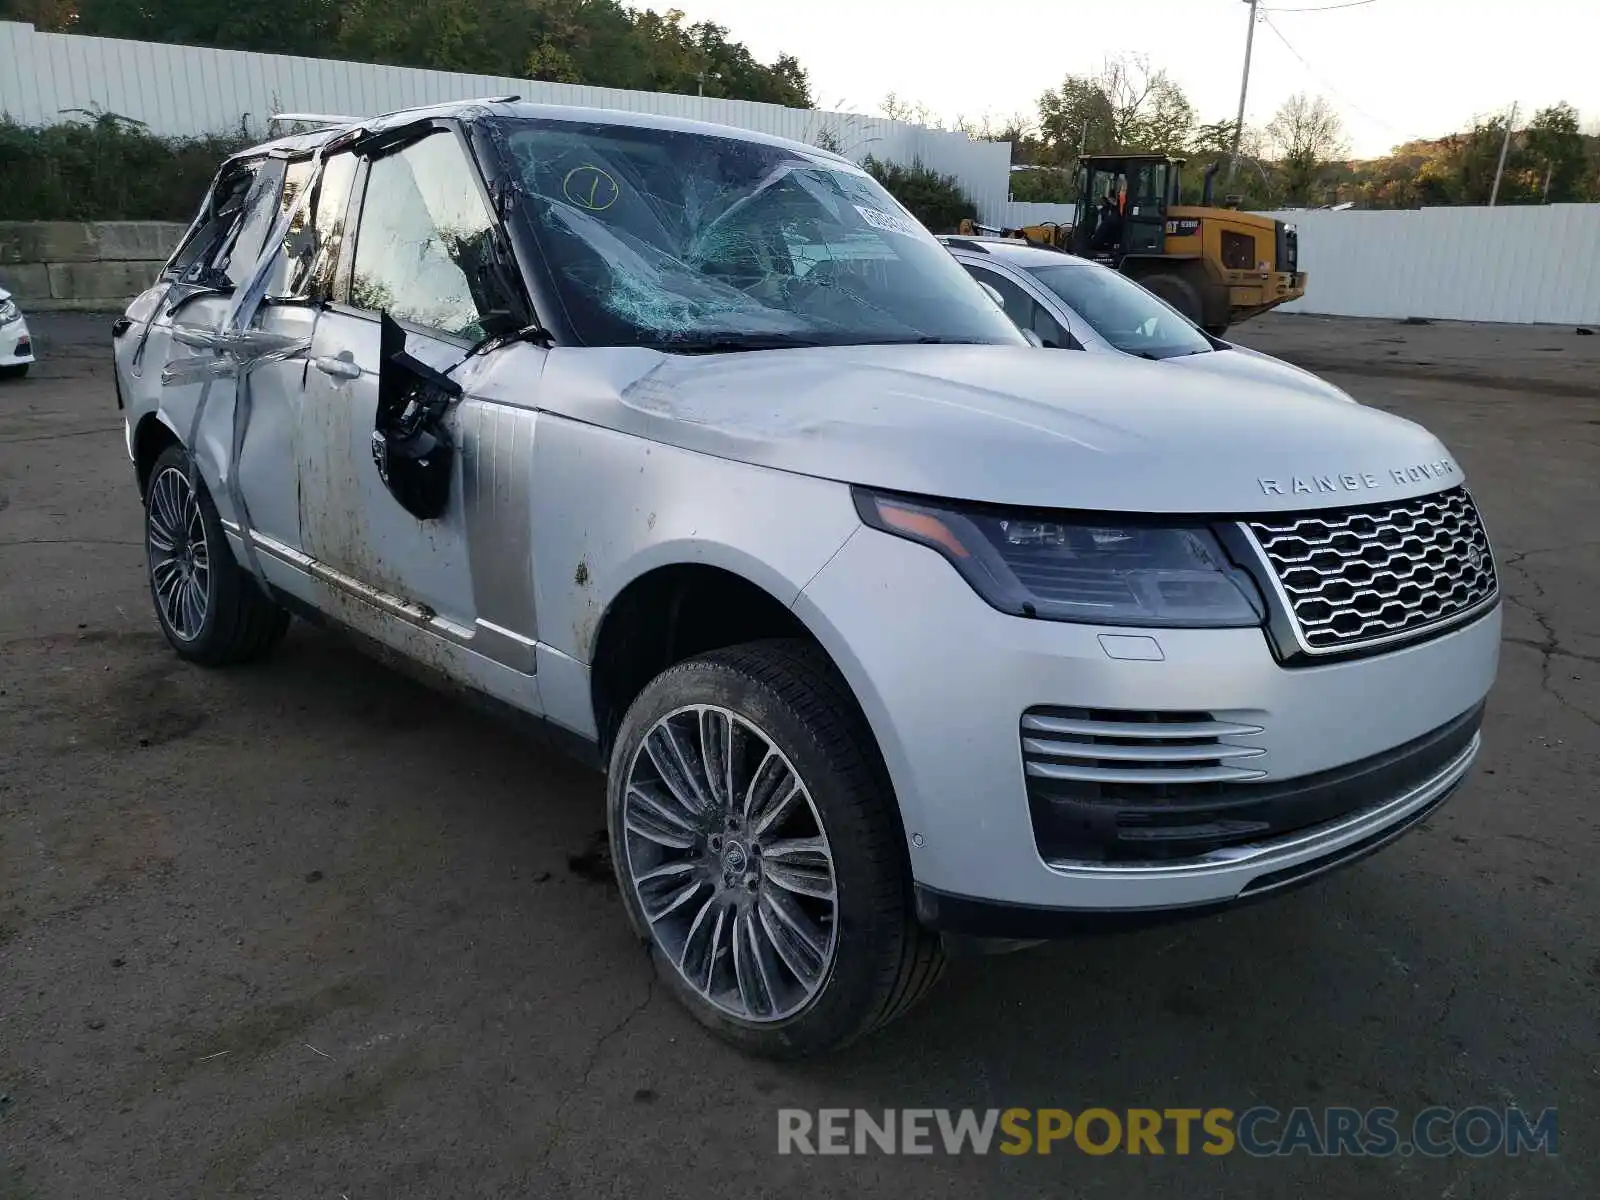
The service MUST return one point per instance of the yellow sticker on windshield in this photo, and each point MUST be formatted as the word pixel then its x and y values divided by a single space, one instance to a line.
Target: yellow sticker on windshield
pixel 590 187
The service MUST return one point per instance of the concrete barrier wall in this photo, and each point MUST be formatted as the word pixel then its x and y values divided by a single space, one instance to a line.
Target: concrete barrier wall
pixel 54 265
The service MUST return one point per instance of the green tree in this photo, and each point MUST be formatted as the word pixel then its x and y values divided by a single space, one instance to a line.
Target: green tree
pixel 1307 136
pixel 934 199
pixel 1127 106
pixel 599 42
pixel 283 26
pixel 1053 185
pixel 1214 138
pixel 1464 173
pixel 1075 118
pixel 1553 141
pixel 98 166
pixel 1255 183
pixel 54 16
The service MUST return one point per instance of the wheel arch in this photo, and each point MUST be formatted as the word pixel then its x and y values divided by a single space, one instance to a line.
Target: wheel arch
pixel 674 611
pixel 150 437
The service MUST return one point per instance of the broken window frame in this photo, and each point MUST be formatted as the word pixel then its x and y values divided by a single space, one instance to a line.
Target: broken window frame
pixel 194 261
pixel 312 276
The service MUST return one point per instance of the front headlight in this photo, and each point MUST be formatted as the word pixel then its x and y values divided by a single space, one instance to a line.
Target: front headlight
pixel 9 311
pixel 1060 567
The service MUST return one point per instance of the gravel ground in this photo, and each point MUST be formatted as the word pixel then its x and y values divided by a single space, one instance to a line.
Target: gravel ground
pixel 309 929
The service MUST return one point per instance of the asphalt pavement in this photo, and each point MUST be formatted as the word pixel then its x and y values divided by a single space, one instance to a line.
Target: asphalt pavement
pixel 310 929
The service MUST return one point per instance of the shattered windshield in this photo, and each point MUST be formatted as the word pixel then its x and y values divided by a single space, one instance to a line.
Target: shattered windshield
pixel 689 241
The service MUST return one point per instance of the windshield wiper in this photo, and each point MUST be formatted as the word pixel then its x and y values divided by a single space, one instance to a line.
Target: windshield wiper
pixel 734 342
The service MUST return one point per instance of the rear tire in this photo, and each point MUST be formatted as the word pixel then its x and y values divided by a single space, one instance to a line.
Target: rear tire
pixel 822 945
pixel 211 611
pixel 14 371
pixel 1176 291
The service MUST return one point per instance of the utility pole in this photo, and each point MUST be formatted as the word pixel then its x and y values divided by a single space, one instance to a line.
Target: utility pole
pixel 1494 194
pixel 1244 87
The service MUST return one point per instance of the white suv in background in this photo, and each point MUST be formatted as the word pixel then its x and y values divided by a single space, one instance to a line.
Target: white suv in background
pixel 885 627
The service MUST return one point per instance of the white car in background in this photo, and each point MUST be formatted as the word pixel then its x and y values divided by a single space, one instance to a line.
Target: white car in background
pixel 16 344
pixel 1073 303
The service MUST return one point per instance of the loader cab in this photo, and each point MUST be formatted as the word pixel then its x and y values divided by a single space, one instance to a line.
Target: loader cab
pixel 1122 204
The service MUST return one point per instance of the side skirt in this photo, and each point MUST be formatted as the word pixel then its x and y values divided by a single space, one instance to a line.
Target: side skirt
pixel 583 749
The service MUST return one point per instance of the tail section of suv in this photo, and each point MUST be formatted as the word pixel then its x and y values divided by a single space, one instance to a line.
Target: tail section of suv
pixel 885 626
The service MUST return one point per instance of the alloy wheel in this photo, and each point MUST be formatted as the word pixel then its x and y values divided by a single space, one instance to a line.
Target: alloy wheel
pixel 730 864
pixel 180 560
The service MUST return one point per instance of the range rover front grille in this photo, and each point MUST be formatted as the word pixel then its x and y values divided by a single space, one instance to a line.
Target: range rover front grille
pixel 1357 576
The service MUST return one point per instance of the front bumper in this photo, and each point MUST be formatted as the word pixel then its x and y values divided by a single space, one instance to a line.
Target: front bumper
pixel 16 344
pixel 944 680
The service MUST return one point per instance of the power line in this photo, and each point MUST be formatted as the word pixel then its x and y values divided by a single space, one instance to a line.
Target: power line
pixel 1313 72
pixel 1323 8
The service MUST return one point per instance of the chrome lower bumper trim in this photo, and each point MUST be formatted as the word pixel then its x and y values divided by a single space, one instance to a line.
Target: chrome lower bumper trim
pixel 1264 857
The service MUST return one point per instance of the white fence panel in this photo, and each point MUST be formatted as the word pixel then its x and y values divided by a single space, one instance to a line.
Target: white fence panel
pixel 1518 264
pixel 184 91
pixel 1031 212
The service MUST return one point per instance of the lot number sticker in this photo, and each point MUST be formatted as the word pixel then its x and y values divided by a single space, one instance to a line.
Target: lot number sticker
pixel 887 222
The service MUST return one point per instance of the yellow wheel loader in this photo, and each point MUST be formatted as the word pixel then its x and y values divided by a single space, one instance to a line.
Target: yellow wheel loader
pixel 1216 265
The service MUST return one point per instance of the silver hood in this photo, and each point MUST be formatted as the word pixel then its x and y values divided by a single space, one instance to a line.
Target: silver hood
pixel 996 423
pixel 1243 363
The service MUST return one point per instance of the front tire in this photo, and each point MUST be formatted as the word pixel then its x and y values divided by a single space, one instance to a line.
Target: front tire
pixel 210 610
pixel 759 852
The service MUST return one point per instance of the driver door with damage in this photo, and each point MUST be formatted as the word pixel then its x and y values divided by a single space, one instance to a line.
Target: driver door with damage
pixel 414 497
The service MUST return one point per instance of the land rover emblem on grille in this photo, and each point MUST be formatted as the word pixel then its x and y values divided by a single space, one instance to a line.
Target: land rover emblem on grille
pixel 1474 557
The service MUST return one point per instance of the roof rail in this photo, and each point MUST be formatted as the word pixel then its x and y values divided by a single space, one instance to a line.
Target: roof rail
pixel 319 119
pixel 325 120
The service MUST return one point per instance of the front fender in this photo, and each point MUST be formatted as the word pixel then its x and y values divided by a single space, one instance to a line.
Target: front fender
pixel 610 507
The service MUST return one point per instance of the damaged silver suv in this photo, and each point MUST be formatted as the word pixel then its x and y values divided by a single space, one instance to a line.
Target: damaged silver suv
pixel 887 628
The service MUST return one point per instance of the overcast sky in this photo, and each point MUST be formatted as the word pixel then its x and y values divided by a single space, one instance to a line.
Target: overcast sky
pixel 1395 69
